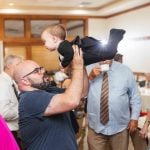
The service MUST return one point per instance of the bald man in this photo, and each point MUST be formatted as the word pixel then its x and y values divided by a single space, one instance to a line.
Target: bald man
pixel 44 120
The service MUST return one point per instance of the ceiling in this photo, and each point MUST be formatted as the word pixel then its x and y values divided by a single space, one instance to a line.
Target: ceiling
pixel 103 8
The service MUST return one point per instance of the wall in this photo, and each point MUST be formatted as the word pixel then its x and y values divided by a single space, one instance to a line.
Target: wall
pixel 135 49
pixel 136 23
pixel 97 28
pixel 1 56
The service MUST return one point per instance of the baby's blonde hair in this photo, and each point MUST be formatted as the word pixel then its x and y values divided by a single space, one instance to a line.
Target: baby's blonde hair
pixel 57 30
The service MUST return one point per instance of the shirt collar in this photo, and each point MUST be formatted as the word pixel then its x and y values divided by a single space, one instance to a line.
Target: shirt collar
pixel 113 66
pixel 7 77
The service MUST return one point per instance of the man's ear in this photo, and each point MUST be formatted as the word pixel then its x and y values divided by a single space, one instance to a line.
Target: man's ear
pixel 25 81
pixel 55 38
pixel 8 66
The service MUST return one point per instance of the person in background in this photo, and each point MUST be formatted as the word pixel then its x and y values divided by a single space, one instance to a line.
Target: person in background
pixel 144 130
pixel 44 120
pixel 8 95
pixel 52 81
pixel 110 130
pixel 7 140
pixel 49 79
pixel 138 142
pixel 118 57
pixel 54 38
pixel 59 77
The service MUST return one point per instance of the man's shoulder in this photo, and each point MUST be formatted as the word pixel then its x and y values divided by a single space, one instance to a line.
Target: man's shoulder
pixel 4 80
pixel 34 93
pixel 36 98
pixel 121 66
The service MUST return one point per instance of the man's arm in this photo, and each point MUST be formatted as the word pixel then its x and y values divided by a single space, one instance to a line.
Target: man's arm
pixel 135 103
pixel 94 73
pixel 67 82
pixel 85 83
pixel 71 97
pixel 144 130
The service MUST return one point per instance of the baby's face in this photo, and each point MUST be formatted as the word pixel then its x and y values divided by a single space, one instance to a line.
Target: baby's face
pixel 49 41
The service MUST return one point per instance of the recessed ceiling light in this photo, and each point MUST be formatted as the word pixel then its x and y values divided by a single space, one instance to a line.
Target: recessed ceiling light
pixel 83 4
pixel 12 11
pixel 11 4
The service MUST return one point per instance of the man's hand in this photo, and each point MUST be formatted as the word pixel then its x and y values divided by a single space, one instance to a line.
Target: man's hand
pixel 132 126
pixel 77 62
pixel 94 73
pixel 106 62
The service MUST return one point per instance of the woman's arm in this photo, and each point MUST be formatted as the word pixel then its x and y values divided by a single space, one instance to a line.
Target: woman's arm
pixel 144 130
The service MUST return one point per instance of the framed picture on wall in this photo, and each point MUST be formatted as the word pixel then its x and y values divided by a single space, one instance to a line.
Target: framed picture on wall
pixel 75 27
pixel 37 26
pixel 14 28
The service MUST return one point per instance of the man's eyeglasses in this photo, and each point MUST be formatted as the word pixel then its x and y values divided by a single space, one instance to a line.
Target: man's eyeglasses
pixel 36 70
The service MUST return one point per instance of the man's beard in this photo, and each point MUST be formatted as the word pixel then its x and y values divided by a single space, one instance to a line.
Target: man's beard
pixel 41 86
pixel 36 85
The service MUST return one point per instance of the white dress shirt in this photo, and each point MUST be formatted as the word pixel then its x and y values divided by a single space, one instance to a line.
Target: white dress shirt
pixel 8 102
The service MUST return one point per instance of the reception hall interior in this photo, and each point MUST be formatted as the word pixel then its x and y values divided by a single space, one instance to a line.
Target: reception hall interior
pixel 22 22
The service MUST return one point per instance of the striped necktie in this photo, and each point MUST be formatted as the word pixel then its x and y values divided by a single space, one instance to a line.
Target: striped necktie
pixel 104 110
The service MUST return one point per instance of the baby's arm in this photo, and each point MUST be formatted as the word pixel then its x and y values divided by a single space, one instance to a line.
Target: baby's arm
pixel 66 50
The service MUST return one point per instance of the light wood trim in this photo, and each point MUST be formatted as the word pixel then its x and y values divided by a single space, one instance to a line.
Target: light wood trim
pixel 28 52
pixel 27 41
pixel 27 29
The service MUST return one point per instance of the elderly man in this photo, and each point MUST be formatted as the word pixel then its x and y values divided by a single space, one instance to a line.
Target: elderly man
pixel 8 94
pixel 44 120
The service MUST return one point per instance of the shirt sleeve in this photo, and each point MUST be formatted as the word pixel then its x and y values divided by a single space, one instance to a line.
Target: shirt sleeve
pixel 66 50
pixel 134 97
pixel 36 103
pixel 8 102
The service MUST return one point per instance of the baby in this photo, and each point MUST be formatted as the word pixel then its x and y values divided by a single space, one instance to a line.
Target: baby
pixel 93 49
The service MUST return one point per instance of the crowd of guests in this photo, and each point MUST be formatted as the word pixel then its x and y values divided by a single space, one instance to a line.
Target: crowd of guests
pixel 43 112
